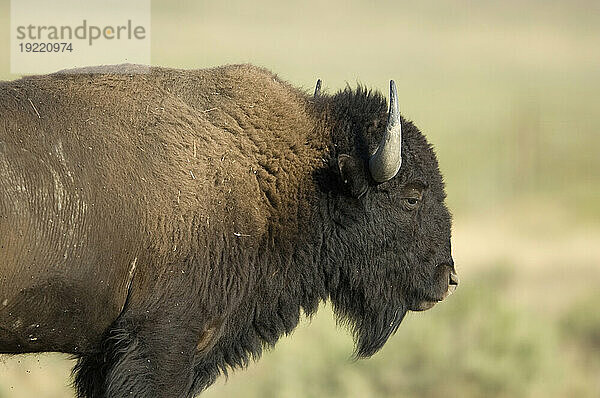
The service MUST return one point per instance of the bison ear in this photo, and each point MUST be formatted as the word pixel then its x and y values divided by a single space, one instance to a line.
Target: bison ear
pixel 352 173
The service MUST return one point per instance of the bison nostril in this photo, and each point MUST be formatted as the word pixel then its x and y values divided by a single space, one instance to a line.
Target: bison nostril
pixel 454 280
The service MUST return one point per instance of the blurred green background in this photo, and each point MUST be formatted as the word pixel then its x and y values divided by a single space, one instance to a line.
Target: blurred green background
pixel 509 94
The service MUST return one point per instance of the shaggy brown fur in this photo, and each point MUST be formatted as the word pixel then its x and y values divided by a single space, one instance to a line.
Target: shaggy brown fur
pixel 164 227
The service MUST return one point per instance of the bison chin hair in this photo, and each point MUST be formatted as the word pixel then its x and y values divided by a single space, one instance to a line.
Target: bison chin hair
pixel 371 327
pixel 371 333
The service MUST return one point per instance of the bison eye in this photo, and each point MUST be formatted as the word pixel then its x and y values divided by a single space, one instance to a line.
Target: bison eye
pixel 410 203
pixel 411 196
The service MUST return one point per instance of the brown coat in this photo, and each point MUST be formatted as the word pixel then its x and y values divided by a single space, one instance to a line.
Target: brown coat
pixel 104 176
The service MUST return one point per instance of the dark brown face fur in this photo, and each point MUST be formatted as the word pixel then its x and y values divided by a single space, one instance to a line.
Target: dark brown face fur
pixel 396 233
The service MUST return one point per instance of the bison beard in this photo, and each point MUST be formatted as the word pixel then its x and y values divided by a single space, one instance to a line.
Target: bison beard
pixel 166 227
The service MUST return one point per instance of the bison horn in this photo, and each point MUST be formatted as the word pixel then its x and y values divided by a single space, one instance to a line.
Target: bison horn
pixel 317 89
pixel 387 159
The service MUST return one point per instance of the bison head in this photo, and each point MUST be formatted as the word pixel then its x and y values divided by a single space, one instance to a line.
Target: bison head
pixel 389 243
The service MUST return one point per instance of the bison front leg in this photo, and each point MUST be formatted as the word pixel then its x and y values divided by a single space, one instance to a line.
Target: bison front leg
pixel 140 357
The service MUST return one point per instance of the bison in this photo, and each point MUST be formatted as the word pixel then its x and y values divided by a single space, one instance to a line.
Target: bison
pixel 165 227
